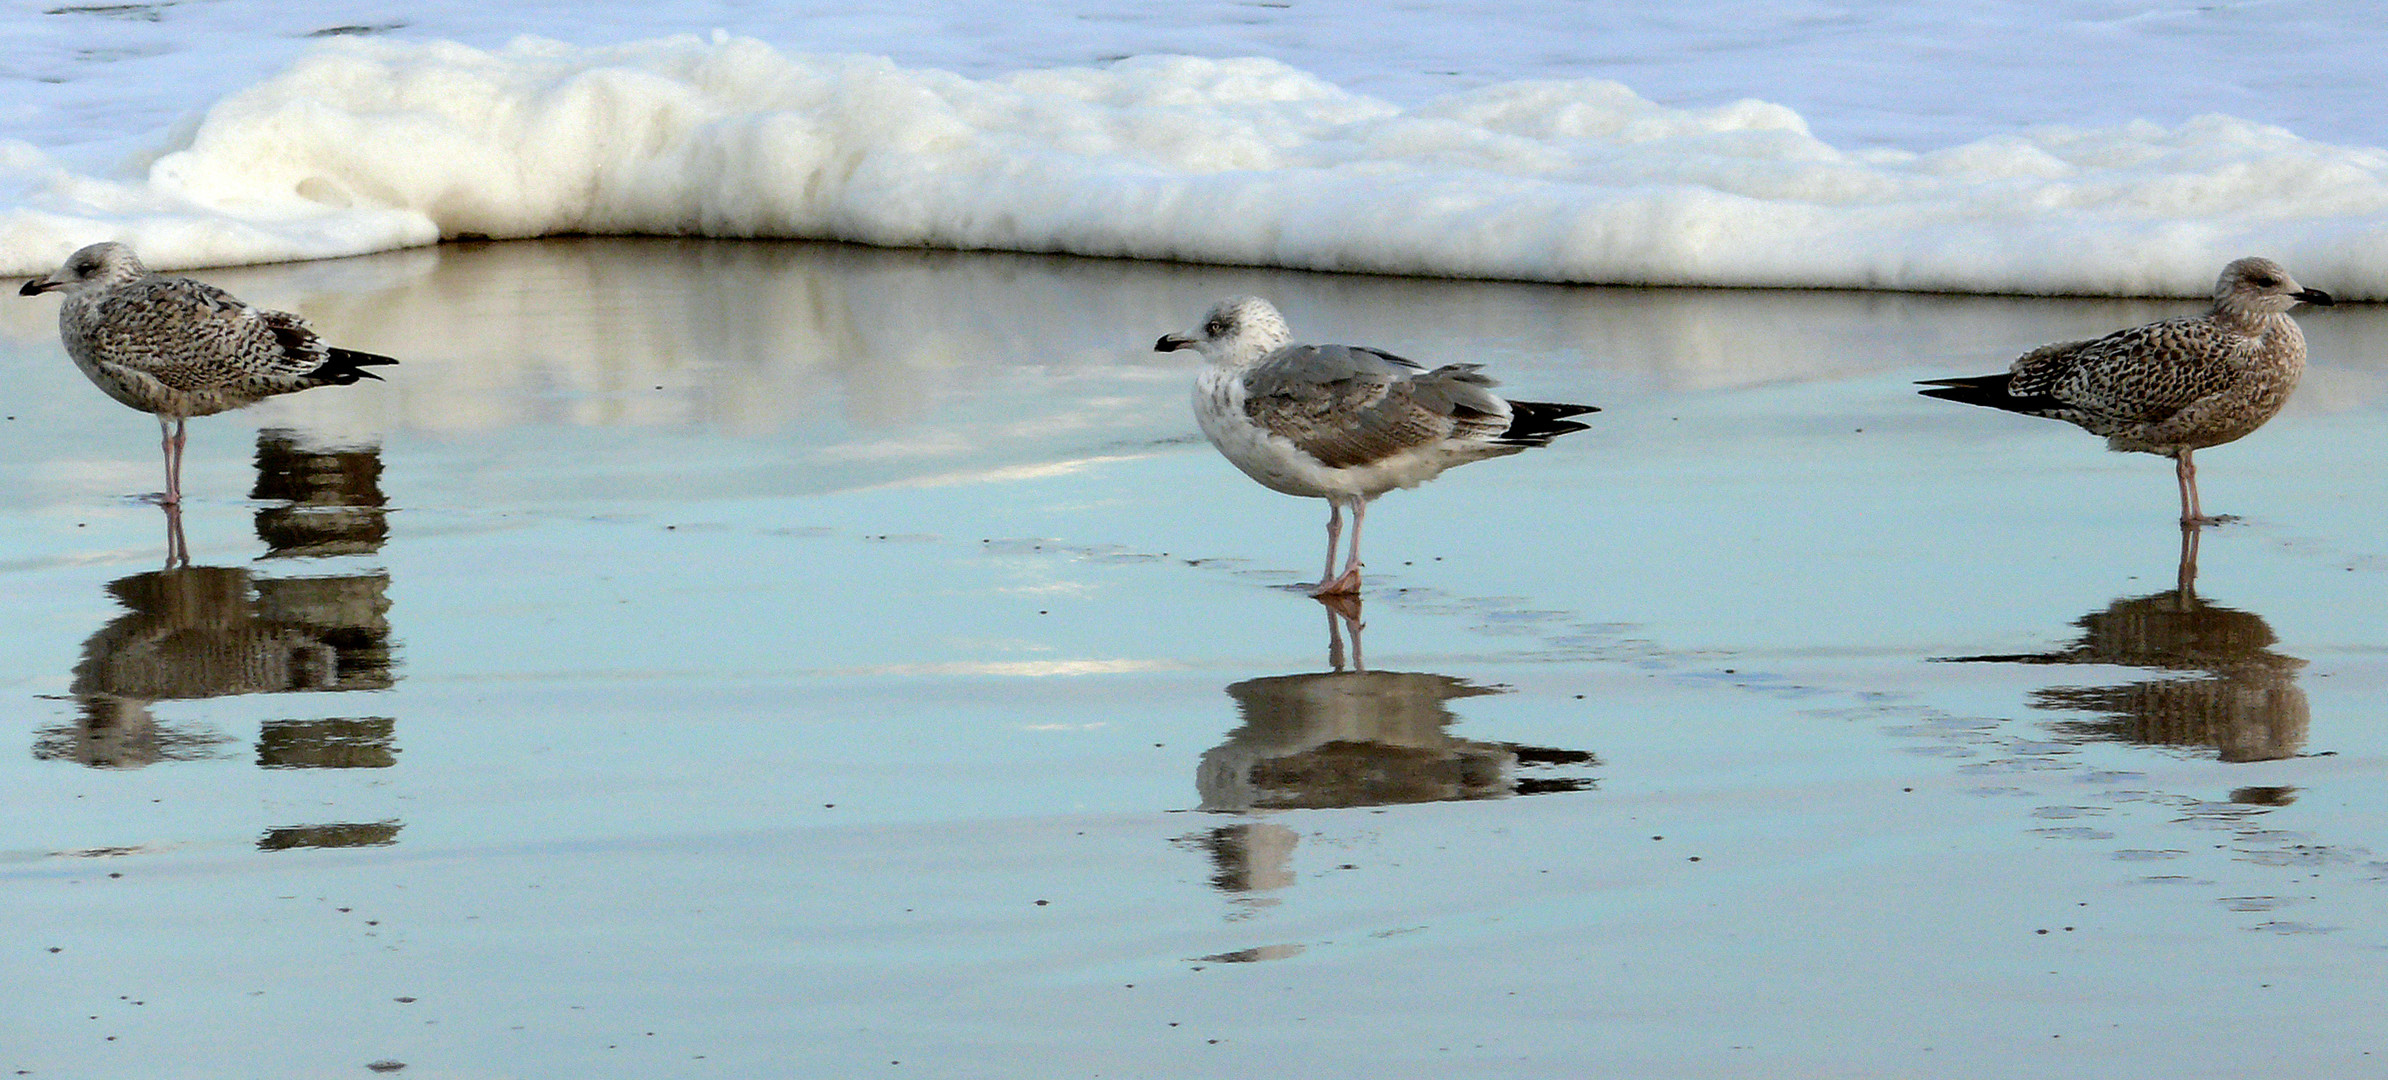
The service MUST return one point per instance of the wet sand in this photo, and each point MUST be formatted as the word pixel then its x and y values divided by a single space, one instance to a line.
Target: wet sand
pixel 719 659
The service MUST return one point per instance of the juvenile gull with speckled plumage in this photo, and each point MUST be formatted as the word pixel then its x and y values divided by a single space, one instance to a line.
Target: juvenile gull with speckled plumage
pixel 1347 423
pixel 2170 387
pixel 178 348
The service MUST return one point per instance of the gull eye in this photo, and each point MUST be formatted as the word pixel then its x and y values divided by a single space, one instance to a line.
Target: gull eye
pixel 2266 283
pixel 1215 328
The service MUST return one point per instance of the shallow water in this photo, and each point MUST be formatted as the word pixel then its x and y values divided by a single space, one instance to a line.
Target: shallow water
pixel 777 659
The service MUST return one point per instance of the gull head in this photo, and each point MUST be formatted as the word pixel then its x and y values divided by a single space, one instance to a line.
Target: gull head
pixel 99 265
pixel 2255 287
pixel 1238 331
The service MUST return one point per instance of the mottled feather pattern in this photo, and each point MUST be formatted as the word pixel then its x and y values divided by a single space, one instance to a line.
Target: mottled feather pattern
pixel 295 343
pixel 2170 388
pixel 2128 384
pixel 180 347
pixel 177 348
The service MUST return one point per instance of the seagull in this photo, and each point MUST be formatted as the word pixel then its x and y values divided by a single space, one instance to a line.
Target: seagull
pixel 1346 423
pixel 2169 387
pixel 178 348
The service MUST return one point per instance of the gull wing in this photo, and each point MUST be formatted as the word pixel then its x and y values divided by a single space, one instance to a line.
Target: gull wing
pixel 1349 405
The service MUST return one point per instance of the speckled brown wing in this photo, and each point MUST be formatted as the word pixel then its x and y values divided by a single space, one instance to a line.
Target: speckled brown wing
pixel 296 348
pixel 194 337
pixel 2137 376
pixel 1348 406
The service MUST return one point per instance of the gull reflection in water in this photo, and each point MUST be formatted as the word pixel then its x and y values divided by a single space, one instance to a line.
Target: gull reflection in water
pixel 2226 689
pixel 329 500
pixel 1351 737
pixel 192 632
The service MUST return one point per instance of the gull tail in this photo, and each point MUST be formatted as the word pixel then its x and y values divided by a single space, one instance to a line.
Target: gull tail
pixel 348 365
pixel 1536 423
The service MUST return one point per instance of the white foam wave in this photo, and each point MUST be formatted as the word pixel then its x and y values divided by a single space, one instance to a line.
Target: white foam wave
pixel 372 144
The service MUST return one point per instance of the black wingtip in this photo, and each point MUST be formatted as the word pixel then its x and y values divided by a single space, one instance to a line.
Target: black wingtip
pixel 1972 389
pixel 346 366
pixel 1553 410
pixel 1542 436
pixel 1536 423
pixel 1958 394
pixel 1989 392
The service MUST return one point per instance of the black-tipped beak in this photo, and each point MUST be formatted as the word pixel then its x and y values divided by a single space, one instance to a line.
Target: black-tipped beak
pixel 35 287
pixel 2316 297
pixel 1172 343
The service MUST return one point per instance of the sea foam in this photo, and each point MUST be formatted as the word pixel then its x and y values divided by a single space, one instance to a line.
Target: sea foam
pixel 367 145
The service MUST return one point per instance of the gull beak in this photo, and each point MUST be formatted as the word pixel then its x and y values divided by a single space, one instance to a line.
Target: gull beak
pixel 2316 297
pixel 38 286
pixel 1174 342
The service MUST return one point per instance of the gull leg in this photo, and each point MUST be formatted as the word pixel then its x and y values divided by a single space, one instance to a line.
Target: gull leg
pixel 174 466
pixel 1351 566
pixel 2192 511
pixel 1334 532
pixel 1349 581
pixel 173 492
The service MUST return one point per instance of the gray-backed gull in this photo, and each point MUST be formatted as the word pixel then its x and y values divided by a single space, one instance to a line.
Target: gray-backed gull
pixel 1346 423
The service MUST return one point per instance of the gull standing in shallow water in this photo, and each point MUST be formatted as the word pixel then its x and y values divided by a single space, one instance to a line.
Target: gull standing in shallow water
pixel 2170 387
pixel 1346 423
pixel 178 348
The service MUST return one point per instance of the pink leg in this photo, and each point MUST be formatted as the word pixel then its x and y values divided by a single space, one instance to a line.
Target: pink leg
pixel 2192 511
pixel 166 449
pixel 1351 567
pixel 170 439
pixel 1334 532
pixel 1349 581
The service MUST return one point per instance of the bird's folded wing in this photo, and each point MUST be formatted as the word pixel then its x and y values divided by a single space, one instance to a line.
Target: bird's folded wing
pixel 193 336
pixel 1349 406
pixel 296 348
pixel 2143 374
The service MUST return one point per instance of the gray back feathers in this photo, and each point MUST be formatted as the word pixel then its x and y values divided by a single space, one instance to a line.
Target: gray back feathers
pixel 1346 405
